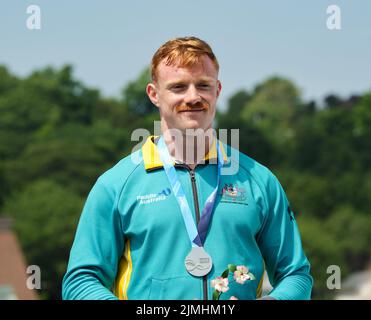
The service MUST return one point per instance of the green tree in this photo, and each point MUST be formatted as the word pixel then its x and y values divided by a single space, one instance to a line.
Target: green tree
pixel 43 101
pixel 325 143
pixel 22 112
pixel 237 102
pixel 333 101
pixel 45 216
pixel 351 229
pixel 362 131
pixel 272 109
pixel 135 96
pixel 251 140
pixel 309 194
pixel 322 250
pixel 73 156
pixel 75 102
pixel 8 82
pixel 4 189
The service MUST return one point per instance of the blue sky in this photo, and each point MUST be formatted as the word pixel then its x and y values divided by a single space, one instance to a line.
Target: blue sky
pixel 110 42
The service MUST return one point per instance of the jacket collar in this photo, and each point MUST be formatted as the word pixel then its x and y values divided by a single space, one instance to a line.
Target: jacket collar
pixel 152 159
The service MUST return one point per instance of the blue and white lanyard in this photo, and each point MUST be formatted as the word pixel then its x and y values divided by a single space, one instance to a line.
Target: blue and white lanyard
pixel 196 235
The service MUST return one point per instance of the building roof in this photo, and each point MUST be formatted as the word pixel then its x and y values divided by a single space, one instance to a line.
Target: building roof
pixel 13 276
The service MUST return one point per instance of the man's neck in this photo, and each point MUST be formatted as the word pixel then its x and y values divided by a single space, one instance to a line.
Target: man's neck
pixel 189 149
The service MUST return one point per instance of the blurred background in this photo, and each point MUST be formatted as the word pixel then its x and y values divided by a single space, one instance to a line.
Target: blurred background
pixel 73 90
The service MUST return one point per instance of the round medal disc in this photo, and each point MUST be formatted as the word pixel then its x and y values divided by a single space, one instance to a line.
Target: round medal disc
pixel 198 262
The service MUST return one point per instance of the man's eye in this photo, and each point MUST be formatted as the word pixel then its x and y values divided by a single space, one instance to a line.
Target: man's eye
pixel 178 87
pixel 204 86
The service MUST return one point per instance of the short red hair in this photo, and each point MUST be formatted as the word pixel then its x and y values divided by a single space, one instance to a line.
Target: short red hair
pixel 186 51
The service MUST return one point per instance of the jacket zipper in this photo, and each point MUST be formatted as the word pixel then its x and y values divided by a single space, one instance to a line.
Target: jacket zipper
pixel 197 208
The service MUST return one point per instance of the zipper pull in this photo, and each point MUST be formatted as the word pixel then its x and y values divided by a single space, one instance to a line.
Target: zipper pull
pixel 192 173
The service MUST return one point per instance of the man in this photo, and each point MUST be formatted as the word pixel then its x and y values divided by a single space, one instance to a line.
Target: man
pixel 165 227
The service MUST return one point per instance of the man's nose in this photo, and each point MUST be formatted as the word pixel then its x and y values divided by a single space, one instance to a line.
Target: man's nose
pixel 192 96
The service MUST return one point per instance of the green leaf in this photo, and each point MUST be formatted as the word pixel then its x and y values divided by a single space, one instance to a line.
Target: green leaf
pixel 216 295
pixel 225 273
pixel 232 267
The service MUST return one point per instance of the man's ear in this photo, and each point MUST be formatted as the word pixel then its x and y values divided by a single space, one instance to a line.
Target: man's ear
pixel 218 89
pixel 152 94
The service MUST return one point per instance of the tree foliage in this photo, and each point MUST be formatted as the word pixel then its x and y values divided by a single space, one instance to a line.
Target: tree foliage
pixel 45 223
pixel 134 94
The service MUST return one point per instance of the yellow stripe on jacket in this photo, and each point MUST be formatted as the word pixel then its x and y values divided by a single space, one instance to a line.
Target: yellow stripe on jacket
pixel 123 275
pixel 259 290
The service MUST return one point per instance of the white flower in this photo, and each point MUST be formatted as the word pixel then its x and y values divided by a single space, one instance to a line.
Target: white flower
pixel 220 284
pixel 233 298
pixel 241 274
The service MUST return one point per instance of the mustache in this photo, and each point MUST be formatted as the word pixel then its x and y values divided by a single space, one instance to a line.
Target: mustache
pixel 188 107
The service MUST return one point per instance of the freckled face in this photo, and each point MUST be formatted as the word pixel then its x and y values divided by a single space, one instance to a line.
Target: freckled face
pixel 186 97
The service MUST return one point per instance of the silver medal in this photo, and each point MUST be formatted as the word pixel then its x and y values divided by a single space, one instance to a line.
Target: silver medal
pixel 198 263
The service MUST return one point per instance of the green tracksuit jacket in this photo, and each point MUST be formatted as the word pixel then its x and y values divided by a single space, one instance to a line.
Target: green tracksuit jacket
pixel 131 239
